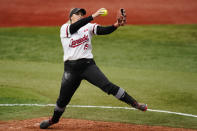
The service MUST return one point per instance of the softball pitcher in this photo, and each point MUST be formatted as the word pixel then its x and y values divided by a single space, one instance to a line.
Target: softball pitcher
pixel 79 64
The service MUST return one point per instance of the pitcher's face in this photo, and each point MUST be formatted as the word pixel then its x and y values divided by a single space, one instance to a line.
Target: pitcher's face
pixel 76 17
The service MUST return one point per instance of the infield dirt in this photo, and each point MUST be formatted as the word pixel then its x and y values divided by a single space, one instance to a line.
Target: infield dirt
pixel 81 125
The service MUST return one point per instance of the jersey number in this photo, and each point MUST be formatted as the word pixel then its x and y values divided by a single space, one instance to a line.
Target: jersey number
pixel 86 46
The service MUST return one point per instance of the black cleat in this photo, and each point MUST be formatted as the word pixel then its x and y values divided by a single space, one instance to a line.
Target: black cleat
pixel 45 124
pixel 142 107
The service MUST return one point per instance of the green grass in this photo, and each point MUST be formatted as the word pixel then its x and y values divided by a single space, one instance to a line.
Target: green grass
pixel 156 64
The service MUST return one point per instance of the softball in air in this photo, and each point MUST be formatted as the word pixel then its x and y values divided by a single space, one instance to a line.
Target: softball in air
pixel 105 12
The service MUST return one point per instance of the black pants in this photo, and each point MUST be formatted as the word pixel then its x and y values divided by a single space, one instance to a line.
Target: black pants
pixel 74 72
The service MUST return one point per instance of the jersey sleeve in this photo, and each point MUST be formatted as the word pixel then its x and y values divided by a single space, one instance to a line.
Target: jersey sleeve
pixel 93 28
pixel 64 31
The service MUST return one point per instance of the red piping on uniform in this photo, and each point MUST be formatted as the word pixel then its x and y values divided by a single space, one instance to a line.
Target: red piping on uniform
pixel 93 28
pixel 67 31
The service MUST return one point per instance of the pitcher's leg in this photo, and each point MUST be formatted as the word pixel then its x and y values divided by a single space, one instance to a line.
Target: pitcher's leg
pixel 70 82
pixel 93 75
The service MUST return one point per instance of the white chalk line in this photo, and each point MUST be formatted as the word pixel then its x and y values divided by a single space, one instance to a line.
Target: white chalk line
pixel 102 107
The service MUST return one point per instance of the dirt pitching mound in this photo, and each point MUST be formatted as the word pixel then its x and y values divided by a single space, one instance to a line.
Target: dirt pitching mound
pixel 80 125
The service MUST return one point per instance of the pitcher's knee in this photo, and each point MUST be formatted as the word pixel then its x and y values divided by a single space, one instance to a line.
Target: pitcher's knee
pixel 116 91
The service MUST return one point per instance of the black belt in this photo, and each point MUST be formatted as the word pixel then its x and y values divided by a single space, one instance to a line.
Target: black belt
pixel 78 64
pixel 79 60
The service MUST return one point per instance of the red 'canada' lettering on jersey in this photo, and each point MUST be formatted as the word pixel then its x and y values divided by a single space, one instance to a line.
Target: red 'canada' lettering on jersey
pixel 78 42
pixel 77 45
